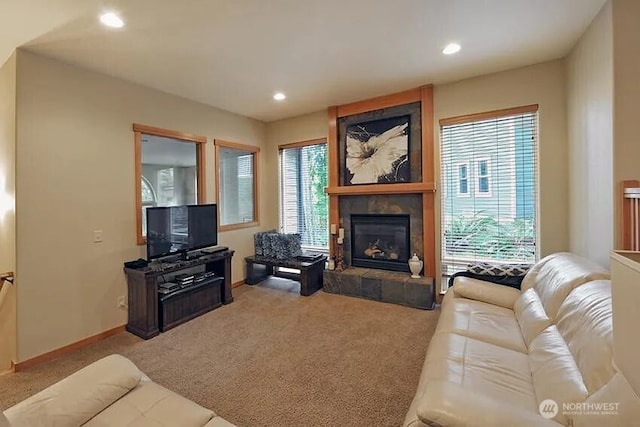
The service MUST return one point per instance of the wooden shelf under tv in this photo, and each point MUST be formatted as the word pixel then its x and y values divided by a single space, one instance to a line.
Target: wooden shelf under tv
pixel 144 315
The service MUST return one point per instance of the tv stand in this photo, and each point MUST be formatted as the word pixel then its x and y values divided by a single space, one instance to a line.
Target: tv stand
pixel 144 299
pixel 186 256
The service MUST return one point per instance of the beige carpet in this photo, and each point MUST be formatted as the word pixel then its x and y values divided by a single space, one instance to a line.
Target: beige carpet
pixel 274 358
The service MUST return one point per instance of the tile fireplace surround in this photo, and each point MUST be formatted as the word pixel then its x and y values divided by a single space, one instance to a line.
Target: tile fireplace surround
pixel 381 285
pixel 413 199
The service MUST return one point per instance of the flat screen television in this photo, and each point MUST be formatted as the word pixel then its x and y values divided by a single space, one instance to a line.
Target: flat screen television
pixel 180 229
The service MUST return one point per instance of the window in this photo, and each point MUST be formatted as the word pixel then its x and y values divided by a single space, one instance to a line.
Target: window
pixel 304 206
pixel 496 220
pixel 170 171
pixel 463 179
pixel 483 186
pixel 237 166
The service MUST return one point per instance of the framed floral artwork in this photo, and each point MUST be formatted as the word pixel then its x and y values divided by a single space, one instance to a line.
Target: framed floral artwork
pixel 377 151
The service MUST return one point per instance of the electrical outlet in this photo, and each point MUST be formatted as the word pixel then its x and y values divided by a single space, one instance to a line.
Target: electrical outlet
pixel 122 302
pixel 97 236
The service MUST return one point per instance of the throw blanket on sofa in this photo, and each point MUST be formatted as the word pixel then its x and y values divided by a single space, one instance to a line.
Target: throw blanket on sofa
pixel 501 274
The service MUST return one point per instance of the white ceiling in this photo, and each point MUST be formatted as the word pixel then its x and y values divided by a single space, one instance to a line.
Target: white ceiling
pixel 234 54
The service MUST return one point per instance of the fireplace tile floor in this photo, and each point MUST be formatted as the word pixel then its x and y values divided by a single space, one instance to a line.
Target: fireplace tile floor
pixel 381 285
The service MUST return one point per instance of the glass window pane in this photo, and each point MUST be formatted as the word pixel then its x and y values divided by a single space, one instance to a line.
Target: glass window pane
pixel 304 206
pixel 492 216
pixel 169 173
pixel 236 186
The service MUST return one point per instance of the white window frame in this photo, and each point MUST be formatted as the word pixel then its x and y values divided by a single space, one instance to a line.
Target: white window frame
pixel 459 179
pixel 477 176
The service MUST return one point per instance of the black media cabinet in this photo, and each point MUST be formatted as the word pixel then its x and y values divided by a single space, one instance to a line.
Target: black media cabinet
pixel 151 312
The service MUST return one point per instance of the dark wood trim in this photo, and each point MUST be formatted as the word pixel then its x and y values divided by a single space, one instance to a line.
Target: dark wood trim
pixel 238 283
pixel 380 102
pixel 67 349
pixel 167 133
pixel 488 115
pixel 300 144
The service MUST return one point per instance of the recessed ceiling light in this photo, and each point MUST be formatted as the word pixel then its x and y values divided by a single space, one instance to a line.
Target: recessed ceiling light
pixel 279 96
pixel 112 20
pixel 451 48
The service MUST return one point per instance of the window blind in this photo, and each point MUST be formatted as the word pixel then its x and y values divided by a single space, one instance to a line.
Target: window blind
pixel 236 186
pixel 304 205
pixel 489 197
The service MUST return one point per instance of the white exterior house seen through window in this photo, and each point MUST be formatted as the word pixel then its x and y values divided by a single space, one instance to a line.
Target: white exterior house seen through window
pixel 463 179
pixel 489 200
pixel 483 187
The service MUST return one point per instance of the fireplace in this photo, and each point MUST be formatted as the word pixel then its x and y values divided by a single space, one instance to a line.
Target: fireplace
pixel 380 241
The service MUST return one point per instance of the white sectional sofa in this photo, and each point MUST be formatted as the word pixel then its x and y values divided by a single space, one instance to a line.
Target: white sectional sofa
pixel 499 354
pixel 109 392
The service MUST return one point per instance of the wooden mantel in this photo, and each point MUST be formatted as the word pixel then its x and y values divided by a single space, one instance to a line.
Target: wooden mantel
pixel 426 187
pixel 370 189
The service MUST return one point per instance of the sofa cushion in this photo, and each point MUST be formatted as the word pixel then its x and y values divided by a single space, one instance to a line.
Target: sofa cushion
pixel 75 399
pixel 151 405
pixel 219 422
pixel 530 314
pixel 480 367
pixel 585 322
pixel 555 276
pixel 555 374
pixel 482 321
pixel 448 404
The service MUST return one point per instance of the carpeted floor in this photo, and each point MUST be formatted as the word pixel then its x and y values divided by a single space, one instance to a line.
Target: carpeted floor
pixel 274 358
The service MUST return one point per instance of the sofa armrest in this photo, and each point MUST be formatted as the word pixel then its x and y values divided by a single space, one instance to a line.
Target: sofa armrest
pixel 449 404
pixel 77 398
pixel 488 292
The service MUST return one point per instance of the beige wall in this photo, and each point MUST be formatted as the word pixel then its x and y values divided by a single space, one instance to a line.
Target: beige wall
pixel 626 106
pixel 301 128
pixel 7 215
pixel 590 132
pixel 75 174
pixel 542 84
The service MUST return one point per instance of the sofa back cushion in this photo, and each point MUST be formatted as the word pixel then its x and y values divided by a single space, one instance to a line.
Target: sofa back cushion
pixel 585 322
pixel 555 276
pixel 531 315
pixel 77 398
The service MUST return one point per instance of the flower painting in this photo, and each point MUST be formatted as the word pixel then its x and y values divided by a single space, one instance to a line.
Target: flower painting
pixel 377 151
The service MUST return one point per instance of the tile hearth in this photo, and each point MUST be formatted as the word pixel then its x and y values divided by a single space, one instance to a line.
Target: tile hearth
pixel 381 285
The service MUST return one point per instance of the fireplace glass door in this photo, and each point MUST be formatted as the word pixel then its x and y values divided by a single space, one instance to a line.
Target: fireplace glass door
pixel 380 241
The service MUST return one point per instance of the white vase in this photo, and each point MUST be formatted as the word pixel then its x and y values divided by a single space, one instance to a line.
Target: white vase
pixel 415 265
